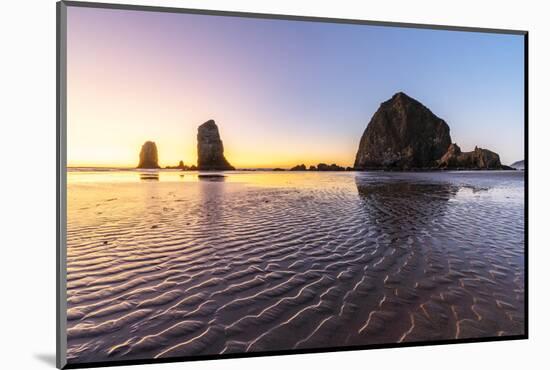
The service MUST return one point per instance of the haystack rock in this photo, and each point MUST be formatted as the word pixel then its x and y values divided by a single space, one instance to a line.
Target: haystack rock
pixel 403 134
pixel 210 148
pixel 477 159
pixel 148 157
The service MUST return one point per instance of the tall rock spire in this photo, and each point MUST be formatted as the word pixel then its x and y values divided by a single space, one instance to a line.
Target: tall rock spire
pixel 148 156
pixel 210 148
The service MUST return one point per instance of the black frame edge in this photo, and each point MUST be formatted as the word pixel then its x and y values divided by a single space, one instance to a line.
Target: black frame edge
pixel 61 216
pixel 291 352
pixel 526 177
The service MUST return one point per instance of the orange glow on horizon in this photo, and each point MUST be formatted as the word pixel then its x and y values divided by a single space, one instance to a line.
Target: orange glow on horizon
pixel 239 159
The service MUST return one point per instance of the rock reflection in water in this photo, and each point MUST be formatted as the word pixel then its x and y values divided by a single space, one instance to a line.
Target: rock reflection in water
pixel 149 176
pixel 449 271
pixel 211 177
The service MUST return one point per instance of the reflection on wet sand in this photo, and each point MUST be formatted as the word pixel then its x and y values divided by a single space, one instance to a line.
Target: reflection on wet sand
pixel 211 177
pixel 149 176
pixel 447 279
pixel 317 260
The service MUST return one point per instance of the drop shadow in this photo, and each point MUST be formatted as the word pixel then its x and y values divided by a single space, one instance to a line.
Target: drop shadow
pixel 46 358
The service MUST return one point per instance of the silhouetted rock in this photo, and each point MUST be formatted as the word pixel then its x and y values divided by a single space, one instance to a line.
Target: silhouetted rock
pixel 403 134
pixel 278 169
pixel 450 158
pixel 210 148
pixel 300 167
pixel 350 169
pixel 322 167
pixel 312 168
pixel 332 167
pixel 148 156
pixel 180 166
pixel 519 165
pixel 454 158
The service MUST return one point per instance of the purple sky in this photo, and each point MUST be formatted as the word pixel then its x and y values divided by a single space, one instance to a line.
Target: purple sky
pixel 282 92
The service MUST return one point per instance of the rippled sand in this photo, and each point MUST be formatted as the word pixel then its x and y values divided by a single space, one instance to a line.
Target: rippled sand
pixel 161 265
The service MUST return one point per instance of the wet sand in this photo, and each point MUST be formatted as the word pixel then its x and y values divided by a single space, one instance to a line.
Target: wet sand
pixel 161 265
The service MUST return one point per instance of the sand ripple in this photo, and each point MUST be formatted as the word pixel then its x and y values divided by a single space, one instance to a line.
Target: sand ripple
pixel 160 269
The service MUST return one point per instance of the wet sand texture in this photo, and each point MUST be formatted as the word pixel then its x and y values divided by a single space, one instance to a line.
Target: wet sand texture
pixel 159 269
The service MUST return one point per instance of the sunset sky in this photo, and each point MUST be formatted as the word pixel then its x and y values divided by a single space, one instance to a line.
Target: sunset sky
pixel 281 92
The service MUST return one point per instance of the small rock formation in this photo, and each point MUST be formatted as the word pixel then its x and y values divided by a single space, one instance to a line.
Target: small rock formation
pixel 148 156
pixel 480 158
pixel 210 148
pixel 332 167
pixel 300 167
pixel 180 166
pixel 312 168
pixel 403 134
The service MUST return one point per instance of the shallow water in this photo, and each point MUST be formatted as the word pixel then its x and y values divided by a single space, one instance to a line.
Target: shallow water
pixel 161 265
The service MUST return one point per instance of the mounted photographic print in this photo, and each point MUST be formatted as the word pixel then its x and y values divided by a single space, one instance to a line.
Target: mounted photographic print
pixel 235 184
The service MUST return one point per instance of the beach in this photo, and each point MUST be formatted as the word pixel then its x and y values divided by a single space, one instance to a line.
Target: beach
pixel 166 263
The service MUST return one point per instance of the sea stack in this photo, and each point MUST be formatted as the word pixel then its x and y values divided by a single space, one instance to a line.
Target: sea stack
pixel 482 159
pixel 403 134
pixel 210 148
pixel 519 165
pixel 148 156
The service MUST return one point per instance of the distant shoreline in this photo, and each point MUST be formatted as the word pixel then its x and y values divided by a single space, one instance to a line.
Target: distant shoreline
pixel 106 169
